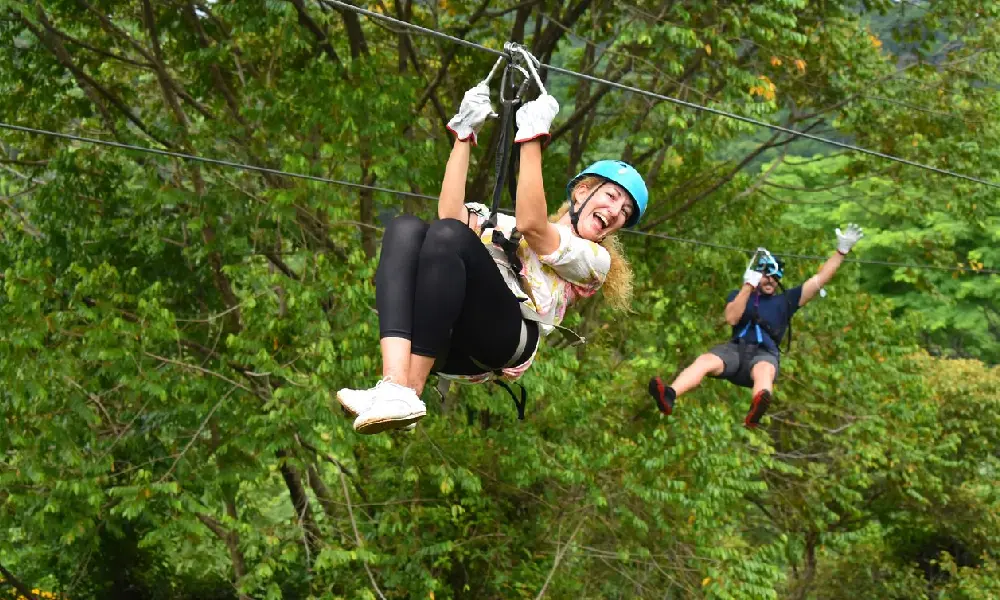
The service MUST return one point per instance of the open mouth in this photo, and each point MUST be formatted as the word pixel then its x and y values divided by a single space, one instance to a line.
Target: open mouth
pixel 603 220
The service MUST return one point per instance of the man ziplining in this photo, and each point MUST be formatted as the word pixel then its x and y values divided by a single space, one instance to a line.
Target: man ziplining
pixel 759 318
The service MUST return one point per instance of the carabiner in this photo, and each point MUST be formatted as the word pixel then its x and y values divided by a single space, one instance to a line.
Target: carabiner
pixel 532 63
pixel 756 255
pixel 504 81
pixel 514 55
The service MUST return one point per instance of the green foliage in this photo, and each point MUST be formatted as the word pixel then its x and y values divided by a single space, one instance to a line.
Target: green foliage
pixel 907 223
pixel 172 332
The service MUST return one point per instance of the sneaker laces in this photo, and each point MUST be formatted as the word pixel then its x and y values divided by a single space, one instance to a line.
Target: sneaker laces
pixel 386 379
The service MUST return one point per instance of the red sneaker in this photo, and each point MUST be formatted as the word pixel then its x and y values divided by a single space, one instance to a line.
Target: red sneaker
pixel 663 395
pixel 758 407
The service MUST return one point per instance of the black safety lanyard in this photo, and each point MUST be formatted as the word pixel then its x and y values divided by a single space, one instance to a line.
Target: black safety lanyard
pixel 506 166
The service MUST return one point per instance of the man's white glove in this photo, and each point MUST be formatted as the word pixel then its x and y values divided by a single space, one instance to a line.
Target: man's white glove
pixel 534 119
pixel 472 114
pixel 847 239
pixel 752 277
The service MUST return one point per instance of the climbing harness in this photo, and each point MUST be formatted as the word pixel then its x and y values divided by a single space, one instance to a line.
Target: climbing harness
pixel 764 262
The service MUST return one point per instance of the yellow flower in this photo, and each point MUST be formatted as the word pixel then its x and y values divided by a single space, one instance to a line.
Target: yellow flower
pixel 765 90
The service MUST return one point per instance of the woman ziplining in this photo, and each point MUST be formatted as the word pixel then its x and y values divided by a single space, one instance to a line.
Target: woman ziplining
pixel 469 295
pixel 759 318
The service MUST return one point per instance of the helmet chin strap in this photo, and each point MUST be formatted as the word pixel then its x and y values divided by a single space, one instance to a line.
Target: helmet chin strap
pixel 574 213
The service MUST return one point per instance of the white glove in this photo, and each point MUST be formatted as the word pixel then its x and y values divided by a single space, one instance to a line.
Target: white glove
pixel 847 239
pixel 534 118
pixel 472 114
pixel 752 277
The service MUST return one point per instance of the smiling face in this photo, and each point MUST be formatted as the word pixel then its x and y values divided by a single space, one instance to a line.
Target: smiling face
pixel 768 285
pixel 607 211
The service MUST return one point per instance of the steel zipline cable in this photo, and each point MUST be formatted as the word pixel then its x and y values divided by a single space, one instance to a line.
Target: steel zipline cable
pixel 691 105
pixel 884 263
pixel 211 161
pixel 350 184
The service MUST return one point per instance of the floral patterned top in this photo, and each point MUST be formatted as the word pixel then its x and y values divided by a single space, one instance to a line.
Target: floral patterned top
pixel 576 269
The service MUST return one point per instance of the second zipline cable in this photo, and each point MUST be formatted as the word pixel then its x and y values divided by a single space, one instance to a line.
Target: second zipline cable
pixel 351 184
pixel 211 161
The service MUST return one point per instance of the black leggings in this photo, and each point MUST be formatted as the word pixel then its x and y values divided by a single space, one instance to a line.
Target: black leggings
pixel 437 286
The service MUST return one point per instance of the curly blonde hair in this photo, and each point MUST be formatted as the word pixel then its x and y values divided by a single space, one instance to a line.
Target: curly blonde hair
pixel 617 288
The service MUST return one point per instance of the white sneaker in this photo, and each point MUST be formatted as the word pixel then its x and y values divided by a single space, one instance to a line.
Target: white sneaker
pixel 356 402
pixel 394 407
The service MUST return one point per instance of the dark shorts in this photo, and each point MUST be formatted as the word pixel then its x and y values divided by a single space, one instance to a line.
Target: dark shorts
pixel 737 364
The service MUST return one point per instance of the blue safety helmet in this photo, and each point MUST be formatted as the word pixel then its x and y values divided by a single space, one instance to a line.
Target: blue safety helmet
pixel 769 265
pixel 624 175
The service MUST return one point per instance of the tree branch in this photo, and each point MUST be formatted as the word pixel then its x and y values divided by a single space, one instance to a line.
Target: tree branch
pixel 19 585
pixel 408 52
pixel 503 11
pixel 232 541
pixel 202 370
pixel 715 186
pixel 218 79
pixel 300 502
pixel 105 53
pixel 340 467
pixel 805 582
pixel 355 36
pixel 762 180
pixel 545 44
pixel 25 223
pixel 281 265
pixel 559 557
pixel 449 56
pixel 322 39
pixel 197 434
pixel 589 105
pixel 166 83
pixel 86 82
pixel 357 536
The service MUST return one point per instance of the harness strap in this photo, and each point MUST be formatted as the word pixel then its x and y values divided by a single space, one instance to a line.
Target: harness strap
pixel 531 315
pixel 506 172
pixel 506 166
pixel 788 307
pixel 522 343
pixel 574 212
pixel 520 404
pixel 754 319
pixel 521 346
pixel 502 162
pixel 503 165
pixel 509 245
